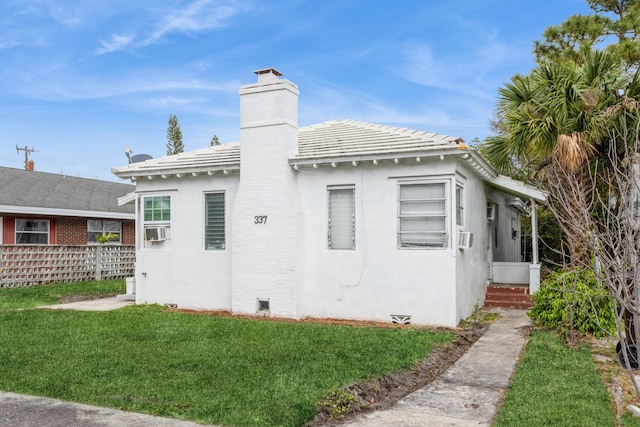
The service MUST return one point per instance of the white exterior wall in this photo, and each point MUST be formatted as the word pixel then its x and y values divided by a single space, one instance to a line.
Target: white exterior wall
pixel 472 263
pixel 179 270
pixel 377 279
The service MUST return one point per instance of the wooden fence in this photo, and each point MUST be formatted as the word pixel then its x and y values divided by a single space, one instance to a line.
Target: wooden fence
pixel 26 265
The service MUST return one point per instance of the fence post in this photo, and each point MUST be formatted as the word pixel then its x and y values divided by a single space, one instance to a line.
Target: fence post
pixel 98 262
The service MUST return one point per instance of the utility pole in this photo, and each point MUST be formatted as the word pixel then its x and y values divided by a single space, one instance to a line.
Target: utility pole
pixel 27 150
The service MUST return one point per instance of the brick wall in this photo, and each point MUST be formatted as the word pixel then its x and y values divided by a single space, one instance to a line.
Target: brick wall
pixel 65 230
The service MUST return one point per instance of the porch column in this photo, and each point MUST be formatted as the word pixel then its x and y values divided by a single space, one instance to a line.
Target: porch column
pixel 534 268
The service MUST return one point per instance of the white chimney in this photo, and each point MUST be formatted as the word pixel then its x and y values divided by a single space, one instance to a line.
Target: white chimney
pixel 267 228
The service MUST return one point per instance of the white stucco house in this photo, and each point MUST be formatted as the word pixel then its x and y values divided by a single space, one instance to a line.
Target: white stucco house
pixel 343 219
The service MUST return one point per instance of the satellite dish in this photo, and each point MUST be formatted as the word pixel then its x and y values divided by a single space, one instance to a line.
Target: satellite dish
pixel 140 158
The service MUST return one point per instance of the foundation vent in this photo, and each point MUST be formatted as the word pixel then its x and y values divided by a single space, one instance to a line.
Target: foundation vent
pixel 263 306
pixel 401 319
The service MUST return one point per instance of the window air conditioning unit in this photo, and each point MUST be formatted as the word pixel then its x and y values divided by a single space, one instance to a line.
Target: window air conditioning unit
pixel 155 234
pixel 465 240
pixel 491 212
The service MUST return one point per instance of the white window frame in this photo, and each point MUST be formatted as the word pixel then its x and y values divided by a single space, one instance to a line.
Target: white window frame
pixel 160 221
pixel 459 205
pixel 48 232
pixel 223 245
pixel 1 228
pixel 163 223
pixel 446 214
pixel 341 243
pixel 104 231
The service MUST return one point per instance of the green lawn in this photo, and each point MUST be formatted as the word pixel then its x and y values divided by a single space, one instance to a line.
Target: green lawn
pixel 218 370
pixel 556 386
pixel 33 296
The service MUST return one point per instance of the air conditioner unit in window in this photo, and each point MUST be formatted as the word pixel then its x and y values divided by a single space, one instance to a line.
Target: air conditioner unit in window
pixel 465 239
pixel 155 234
pixel 491 212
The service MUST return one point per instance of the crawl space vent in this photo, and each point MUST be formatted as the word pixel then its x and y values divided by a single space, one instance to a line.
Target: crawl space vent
pixel 401 319
pixel 263 305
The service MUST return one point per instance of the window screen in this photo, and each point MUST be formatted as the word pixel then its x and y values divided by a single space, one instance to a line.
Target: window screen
pixel 342 221
pixel 422 216
pixel 214 237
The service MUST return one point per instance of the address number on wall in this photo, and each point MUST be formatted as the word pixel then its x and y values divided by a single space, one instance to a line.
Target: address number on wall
pixel 260 219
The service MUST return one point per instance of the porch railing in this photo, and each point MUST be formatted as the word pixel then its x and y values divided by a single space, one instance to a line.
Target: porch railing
pixel 26 265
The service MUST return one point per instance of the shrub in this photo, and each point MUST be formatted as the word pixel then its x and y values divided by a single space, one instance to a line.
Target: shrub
pixel 575 295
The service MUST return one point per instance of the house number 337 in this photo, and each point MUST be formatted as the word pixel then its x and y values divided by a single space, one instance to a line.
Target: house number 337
pixel 260 219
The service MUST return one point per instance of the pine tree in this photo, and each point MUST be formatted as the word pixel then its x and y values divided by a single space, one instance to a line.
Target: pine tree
pixel 614 26
pixel 214 141
pixel 174 136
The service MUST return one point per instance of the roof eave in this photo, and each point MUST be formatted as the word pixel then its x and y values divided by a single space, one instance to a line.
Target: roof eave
pixel 126 173
pixel 347 158
pixel 34 210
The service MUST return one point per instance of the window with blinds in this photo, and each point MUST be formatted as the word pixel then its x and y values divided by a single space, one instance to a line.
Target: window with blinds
pixel 342 217
pixel 422 221
pixel 214 237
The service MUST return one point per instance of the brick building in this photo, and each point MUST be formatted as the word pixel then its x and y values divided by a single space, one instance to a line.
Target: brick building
pixel 51 209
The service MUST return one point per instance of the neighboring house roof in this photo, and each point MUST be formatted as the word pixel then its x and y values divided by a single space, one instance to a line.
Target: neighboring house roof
pixel 333 142
pixel 41 193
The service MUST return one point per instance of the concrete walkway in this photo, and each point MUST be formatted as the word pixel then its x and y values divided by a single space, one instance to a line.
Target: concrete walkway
pixel 469 393
pixel 17 410
pixel 100 304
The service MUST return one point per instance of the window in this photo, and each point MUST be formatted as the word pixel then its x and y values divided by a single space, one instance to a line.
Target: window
pixel 214 237
pixel 32 232
pixel 459 206
pixel 342 218
pixel 422 216
pixel 157 209
pixel 97 228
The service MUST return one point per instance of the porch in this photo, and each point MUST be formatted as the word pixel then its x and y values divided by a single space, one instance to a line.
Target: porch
pixel 512 284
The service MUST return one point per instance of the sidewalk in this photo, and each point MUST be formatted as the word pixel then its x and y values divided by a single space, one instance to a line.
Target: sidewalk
pixel 469 393
pixel 100 304
pixel 17 410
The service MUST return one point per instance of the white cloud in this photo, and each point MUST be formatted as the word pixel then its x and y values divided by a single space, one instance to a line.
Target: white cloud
pixel 197 16
pixel 116 42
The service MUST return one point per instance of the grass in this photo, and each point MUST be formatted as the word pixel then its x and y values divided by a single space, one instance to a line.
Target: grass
pixel 556 386
pixel 34 296
pixel 217 370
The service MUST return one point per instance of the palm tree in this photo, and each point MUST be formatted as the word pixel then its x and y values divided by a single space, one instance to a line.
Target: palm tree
pixel 555 120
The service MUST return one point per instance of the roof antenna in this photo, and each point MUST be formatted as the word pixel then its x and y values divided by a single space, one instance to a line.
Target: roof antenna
pixel 28 164
pixel 127 152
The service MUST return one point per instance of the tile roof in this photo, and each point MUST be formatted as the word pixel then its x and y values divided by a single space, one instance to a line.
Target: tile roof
pixel 335 141
pixel 345 139
pixel 30 189
pixel 351 138
pixel 219 157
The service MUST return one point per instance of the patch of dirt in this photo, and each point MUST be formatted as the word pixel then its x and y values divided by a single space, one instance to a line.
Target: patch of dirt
pixel 382 392
pixel 614 376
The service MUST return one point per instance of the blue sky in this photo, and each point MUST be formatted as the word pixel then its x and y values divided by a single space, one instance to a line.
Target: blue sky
pixel 80 80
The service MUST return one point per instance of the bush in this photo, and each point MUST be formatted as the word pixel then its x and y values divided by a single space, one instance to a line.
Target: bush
pixel 575 295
